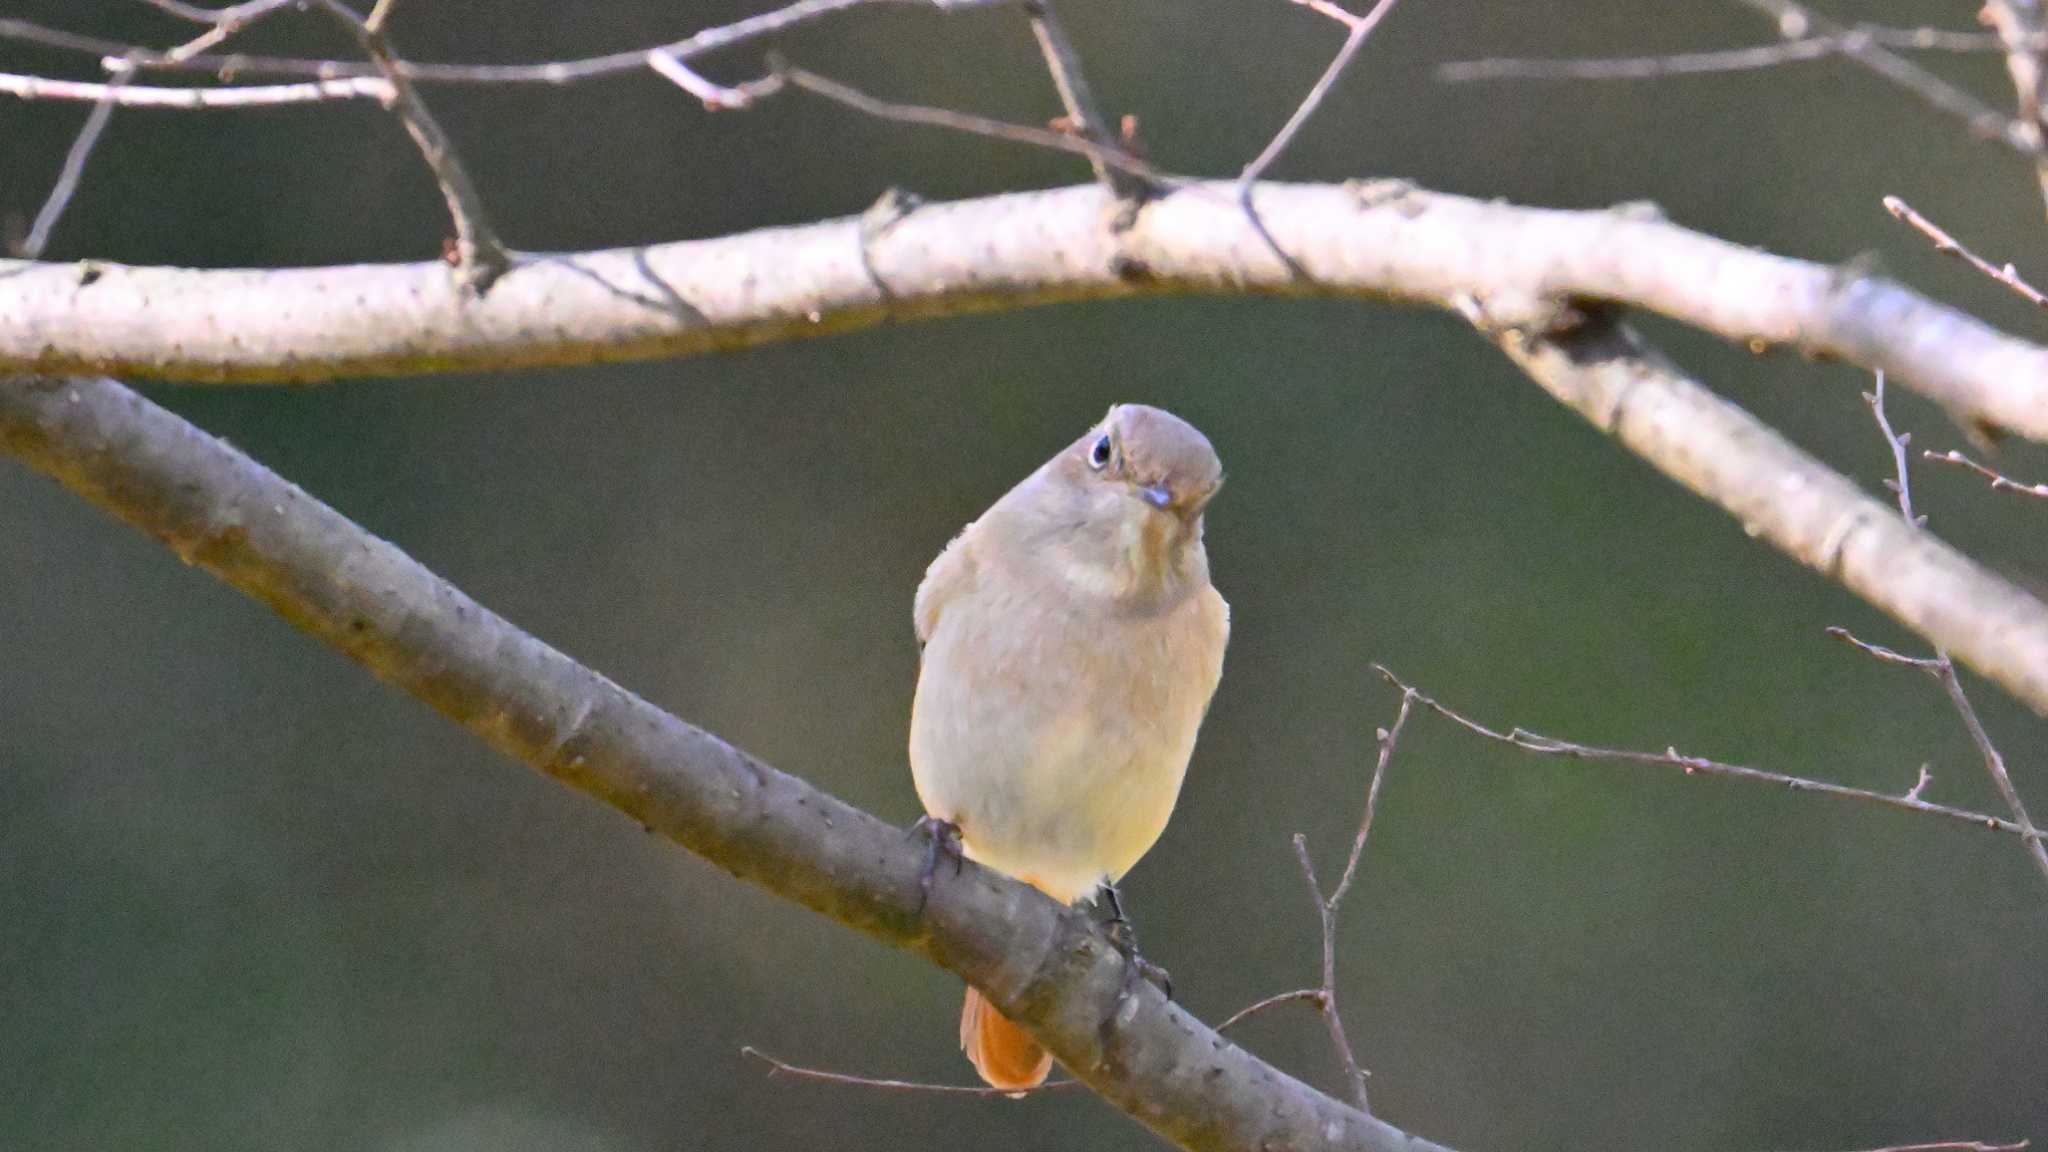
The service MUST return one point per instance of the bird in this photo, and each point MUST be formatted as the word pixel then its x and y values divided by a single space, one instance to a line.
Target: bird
pixel 1071 642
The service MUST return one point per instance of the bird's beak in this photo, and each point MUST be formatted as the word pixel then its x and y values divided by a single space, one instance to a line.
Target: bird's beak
pixel 1156 495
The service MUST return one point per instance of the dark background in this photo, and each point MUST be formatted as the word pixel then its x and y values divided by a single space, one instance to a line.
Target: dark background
pixel 250 899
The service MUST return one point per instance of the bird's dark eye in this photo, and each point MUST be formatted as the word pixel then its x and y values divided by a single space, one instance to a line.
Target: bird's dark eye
pixel 1098 455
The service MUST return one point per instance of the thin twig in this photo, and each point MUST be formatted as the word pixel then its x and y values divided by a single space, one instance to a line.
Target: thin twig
pixel 228 22
pixel 1800 50
pixel 1387 738
pixel 1952 1146
pixel 1530 741
pixel 1313 995
pixel 2019 24
pixel 1940 666
pixel 1948 245
pixel 195 99
pixel 716 97
pixel 1901 486
pixel 1999 481
pixel 1795 21
pixel 971 124
pixel 1333 1019
pixel 73 172
pixel 1064 63
pixel 1881 653
pixel 480 256
pixel 1361 28
pixel 794 1072
pixel 1325 996
pixel 550 72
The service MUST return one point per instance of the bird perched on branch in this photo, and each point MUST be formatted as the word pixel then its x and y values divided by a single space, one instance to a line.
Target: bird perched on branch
pixel 1071 642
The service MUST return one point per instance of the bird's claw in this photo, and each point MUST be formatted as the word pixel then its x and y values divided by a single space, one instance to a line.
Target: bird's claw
pixel 1123 936
pixel 1136 967
pixel 942 841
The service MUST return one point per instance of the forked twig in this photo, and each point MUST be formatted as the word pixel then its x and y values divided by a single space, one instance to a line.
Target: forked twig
pixel 1325 996
pixel 1909 801
pixel 1064 63
pixel 1361 28
pixel 1939 665
pixel 480 257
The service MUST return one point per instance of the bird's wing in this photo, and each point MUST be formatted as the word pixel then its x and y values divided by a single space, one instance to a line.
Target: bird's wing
pixel 948 576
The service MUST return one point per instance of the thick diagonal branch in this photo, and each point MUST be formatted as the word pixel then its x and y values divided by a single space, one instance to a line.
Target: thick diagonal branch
pixel 1045 966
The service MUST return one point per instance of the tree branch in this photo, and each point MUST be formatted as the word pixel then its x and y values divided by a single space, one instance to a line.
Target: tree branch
pixel 1047 967
pixel 1380 240
pixel 1628 390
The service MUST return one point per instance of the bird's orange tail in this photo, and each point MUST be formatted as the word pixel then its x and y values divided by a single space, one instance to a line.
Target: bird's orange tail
pixel 1005 1055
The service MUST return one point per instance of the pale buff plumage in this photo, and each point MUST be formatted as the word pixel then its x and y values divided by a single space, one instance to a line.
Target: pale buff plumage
pixel 1072 641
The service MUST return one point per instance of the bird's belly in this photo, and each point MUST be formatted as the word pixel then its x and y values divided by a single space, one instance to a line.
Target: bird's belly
pixel 1061 784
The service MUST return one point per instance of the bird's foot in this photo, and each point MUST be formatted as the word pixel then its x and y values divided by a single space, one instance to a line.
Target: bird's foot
pixel 942 842
pixel 1123 936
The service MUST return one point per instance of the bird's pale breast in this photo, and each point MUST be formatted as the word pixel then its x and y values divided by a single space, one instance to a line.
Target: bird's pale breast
pixel 1057 736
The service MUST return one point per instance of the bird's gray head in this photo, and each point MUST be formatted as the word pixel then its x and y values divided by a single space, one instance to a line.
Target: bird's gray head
pixel 1119 511
pixel 1160 459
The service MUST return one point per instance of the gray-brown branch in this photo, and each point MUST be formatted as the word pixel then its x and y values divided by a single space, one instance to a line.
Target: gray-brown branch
pixel 1045 966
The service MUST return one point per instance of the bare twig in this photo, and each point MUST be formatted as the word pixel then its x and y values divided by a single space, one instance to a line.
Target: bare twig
pixel 1948 245
pixel 1327 906
pixel 1999 481
pixel 1529 741
pixel 1901 486
pixel 1955 1146
pixel 1361 28
pixel 1311 995
pixel 716 97
pixel 1760 56
pixel 379 15
pixel 225 24
pixel 781 1068
pixel 1064 63
pixel 551 72
pixel 195 99
pixel 2019 26
pixel 1940 666
pixel 72 173
pixel 1796 21
pixel 481 258
pixel 973 125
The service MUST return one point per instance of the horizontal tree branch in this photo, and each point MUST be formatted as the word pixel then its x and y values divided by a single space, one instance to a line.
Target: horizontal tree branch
pixel 1381 239
pixel 1048 967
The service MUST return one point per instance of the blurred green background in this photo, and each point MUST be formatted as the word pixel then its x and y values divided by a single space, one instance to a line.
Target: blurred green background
pixel 249 899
